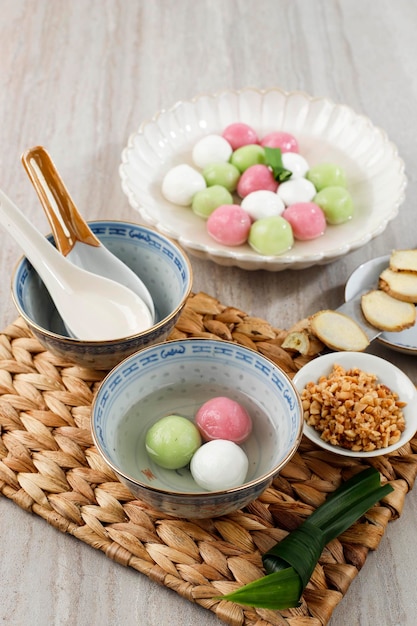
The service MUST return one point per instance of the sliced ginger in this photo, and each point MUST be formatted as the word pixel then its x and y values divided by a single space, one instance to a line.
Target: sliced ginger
pixel 338 331
pixel 400 285
pixel 387 313
pixel 403 260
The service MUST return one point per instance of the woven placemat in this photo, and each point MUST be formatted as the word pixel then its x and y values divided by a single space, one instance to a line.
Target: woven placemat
pixel 49 466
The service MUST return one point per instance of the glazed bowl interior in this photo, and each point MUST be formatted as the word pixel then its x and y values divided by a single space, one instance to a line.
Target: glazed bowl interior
pixel 177 378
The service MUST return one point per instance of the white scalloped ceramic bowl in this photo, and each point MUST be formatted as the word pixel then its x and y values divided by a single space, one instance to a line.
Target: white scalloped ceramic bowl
pixel 386 373
pixel 325 132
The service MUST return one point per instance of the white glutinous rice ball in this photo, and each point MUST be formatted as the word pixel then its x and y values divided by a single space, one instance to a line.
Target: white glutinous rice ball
pixel 181 183
pixel 296 190
pixel 296 164
pixel 262 203
pixel 211 149
pixel 218 465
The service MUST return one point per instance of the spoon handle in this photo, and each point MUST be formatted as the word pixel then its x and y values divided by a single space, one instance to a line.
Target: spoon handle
pixel 48 262
pixel 67 225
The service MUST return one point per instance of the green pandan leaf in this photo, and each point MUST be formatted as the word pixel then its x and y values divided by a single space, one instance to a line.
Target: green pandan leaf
pixel 290 563
pixel 278 591
pixel 273 158
pixel 300 549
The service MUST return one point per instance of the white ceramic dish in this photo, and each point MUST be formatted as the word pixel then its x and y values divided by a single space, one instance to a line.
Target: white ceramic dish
pixel 366 277
pixel 325 131
pixel 386 373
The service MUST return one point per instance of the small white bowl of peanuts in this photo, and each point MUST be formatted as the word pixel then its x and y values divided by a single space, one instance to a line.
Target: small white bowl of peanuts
pixel 357 404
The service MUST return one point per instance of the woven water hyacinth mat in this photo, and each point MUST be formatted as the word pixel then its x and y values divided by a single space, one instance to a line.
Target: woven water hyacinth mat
pixel 49 466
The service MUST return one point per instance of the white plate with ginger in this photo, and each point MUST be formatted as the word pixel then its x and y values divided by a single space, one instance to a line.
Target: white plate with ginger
pixel 366 277
pixel 357 404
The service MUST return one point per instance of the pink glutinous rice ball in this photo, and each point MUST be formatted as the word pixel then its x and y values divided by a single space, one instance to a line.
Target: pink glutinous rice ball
pixel 223 418
pixel 240 134
pixel 255 178
pixel 229 224
pixel 280 139
pixel 307 220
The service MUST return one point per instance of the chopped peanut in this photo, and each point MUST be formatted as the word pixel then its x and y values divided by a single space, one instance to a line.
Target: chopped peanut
pixel 352 410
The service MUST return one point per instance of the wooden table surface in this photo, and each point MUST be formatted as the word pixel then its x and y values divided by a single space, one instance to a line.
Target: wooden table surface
pixel 78 77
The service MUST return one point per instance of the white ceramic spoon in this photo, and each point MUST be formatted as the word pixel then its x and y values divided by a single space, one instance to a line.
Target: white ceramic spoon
pixel 94 308
pixel 73 237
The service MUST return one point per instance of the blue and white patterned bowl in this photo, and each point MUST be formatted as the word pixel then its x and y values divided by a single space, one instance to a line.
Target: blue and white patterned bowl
pixel 177 377
pixel 159 261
